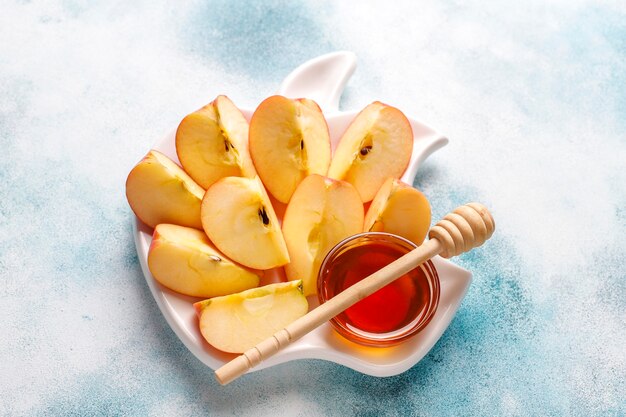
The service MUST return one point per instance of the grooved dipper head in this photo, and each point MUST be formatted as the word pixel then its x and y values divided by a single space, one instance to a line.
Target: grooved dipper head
pixel 467 227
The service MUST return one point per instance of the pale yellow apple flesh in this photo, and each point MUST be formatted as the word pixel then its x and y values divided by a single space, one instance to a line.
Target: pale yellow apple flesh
pixel 289 140
pixel 320 214
pixel 400 209
pixel 238 217
pixel 212 143
pixel 184 260
pixel 159 191
pixel 377 144
pixel 237 322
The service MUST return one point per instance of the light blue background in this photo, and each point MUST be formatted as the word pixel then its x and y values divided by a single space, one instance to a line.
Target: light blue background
pixel 531 95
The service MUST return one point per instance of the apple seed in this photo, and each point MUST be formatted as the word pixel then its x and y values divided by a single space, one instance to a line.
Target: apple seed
pixel 263 216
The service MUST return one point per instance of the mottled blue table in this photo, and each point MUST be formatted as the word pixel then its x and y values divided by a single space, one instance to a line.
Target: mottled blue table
pixel 531 95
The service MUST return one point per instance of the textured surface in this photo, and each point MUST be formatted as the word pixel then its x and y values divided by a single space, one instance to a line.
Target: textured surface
pixel 532 96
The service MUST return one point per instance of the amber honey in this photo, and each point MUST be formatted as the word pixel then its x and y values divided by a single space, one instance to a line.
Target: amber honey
pixel 393 313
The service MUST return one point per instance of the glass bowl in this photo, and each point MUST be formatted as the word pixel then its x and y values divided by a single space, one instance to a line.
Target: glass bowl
pixel 395 312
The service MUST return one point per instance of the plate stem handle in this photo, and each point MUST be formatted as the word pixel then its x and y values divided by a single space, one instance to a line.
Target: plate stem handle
pixel 322 79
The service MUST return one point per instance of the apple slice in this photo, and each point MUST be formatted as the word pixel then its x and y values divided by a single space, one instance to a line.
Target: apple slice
pixel 400 209
pixel 184 260
pixel 212 143
pixel 320 214
pixel 377 144
pixel 237 322
pixel 159 191
pixel 289 140
pixel 238 217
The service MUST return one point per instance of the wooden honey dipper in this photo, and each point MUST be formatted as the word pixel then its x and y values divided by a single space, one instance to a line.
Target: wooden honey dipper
pixel 467 227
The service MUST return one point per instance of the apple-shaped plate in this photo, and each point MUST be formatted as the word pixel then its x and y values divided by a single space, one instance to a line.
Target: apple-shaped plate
pixel 323 80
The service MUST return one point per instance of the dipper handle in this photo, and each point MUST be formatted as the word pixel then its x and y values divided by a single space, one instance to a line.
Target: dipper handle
pixel 467 227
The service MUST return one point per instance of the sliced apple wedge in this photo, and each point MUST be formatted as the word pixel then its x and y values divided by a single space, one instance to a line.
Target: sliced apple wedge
pixel 184 260
pixel 289 140
pixel 237 322
pixel 159 191
pixel 377 144
pixel 400 209
pixel 320 214
pixel 238 217
pixel 212 143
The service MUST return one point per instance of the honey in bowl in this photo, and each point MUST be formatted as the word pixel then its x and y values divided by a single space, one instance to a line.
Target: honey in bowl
pixel 395 312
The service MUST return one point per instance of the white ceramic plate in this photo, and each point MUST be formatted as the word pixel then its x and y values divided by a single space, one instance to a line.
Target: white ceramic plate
pixel 322 79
